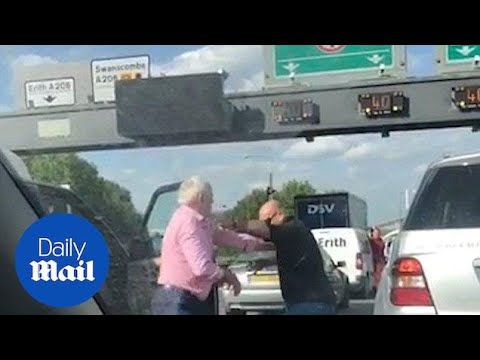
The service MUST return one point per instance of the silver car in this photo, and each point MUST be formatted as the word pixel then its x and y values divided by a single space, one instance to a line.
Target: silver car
pixel 434 265
pixel 261 286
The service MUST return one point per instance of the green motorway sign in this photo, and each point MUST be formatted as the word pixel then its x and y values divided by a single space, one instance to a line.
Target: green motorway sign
pixel 311 60
pixel 461 53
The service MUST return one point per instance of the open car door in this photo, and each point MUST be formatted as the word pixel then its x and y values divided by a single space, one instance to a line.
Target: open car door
pixel 145 250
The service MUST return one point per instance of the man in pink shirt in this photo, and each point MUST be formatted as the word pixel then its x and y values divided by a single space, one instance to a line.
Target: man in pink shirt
pixel 189 275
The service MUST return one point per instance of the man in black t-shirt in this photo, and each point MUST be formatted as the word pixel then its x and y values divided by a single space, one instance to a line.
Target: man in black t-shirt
pixel 305 287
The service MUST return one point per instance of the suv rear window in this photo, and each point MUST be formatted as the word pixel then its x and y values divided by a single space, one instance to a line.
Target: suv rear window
pixel 449 199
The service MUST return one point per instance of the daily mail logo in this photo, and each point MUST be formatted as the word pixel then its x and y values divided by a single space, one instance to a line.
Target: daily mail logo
pixel 62 260
pixel 50 271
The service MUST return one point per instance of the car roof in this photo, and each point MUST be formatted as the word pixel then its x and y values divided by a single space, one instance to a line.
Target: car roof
pixel 462 160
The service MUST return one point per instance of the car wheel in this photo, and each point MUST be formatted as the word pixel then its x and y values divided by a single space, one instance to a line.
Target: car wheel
pixel 345 303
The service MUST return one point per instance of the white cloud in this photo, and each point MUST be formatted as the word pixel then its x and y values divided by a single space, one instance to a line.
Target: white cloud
pixel 407 144
pixel 360 151
pixel 33 59
pixel 212 58
pixel 255 82
pixel 235 168
pixel 321 146
pixel 242 62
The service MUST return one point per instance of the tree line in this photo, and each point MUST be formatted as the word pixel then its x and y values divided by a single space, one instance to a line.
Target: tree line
pixel 114 203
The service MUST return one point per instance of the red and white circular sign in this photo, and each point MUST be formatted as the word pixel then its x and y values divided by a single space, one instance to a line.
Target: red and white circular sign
pixel 330 49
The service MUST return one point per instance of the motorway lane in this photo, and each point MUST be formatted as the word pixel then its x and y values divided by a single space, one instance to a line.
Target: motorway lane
pixel 357 307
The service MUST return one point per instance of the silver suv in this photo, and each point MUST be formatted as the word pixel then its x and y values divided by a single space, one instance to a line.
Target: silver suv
pixel 434 265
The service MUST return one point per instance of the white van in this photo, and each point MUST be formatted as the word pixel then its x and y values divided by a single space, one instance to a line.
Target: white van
pixel 339 224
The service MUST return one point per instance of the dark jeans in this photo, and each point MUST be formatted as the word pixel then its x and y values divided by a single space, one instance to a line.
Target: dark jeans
pixel 309 309
pixel 174 301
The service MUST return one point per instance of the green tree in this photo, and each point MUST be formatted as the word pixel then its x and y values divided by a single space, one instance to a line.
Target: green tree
pixel 290 190
pixel 105 197
pixel 248 207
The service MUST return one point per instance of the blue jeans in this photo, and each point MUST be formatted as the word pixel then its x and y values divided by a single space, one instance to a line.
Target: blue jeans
pixel 310 309
pixel 174 301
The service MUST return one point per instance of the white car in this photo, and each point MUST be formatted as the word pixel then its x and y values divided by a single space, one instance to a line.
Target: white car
pixel 388 240
pixel 434 266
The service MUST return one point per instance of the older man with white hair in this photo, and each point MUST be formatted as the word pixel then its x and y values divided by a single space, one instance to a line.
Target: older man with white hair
pixel 189 274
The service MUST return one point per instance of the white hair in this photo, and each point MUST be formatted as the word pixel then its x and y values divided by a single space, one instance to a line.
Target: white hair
pixel 193 190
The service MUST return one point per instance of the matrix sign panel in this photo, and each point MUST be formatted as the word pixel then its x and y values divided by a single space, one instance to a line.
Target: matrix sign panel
pixel 466 97
pixel 295 111
pixel 383 104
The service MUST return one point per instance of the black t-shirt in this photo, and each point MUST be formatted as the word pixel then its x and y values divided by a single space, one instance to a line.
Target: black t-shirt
pixel 300 264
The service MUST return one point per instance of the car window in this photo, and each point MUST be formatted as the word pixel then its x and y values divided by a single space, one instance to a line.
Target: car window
pixel 160 215
pixel 450 199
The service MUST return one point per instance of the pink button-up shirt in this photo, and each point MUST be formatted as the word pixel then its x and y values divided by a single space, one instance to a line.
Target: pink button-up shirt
pixel 188 251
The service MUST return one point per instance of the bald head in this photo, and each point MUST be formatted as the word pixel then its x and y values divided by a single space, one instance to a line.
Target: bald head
pixel 271 211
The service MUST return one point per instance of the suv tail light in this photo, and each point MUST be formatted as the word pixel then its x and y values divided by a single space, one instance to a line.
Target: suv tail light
pixel 409 287
pixel 359 262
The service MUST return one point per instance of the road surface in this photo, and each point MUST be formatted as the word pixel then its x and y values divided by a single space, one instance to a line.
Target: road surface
pixel 357 307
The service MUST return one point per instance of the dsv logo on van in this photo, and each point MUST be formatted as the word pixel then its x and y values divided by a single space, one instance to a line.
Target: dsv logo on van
pixel 322 209
pixel 62 260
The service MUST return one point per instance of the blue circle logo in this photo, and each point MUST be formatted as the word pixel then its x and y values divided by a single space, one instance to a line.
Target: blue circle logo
pixel 62 260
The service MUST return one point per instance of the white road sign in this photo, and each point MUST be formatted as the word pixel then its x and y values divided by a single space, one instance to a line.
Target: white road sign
pixel 106 71
pixel 48 93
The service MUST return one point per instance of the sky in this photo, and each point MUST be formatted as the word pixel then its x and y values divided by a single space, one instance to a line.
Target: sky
pixel 377 169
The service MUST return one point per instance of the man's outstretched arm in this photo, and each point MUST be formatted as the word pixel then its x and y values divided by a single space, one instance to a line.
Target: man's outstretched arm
pixel 242 241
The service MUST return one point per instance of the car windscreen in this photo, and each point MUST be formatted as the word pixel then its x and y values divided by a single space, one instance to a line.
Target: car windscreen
pixel 323 212
pixel 449 199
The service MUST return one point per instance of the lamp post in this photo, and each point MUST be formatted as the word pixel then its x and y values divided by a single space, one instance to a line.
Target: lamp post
pixel 270 189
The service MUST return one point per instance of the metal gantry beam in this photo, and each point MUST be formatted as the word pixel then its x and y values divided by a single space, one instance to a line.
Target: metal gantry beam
pixel 93 127
pixel 78 128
